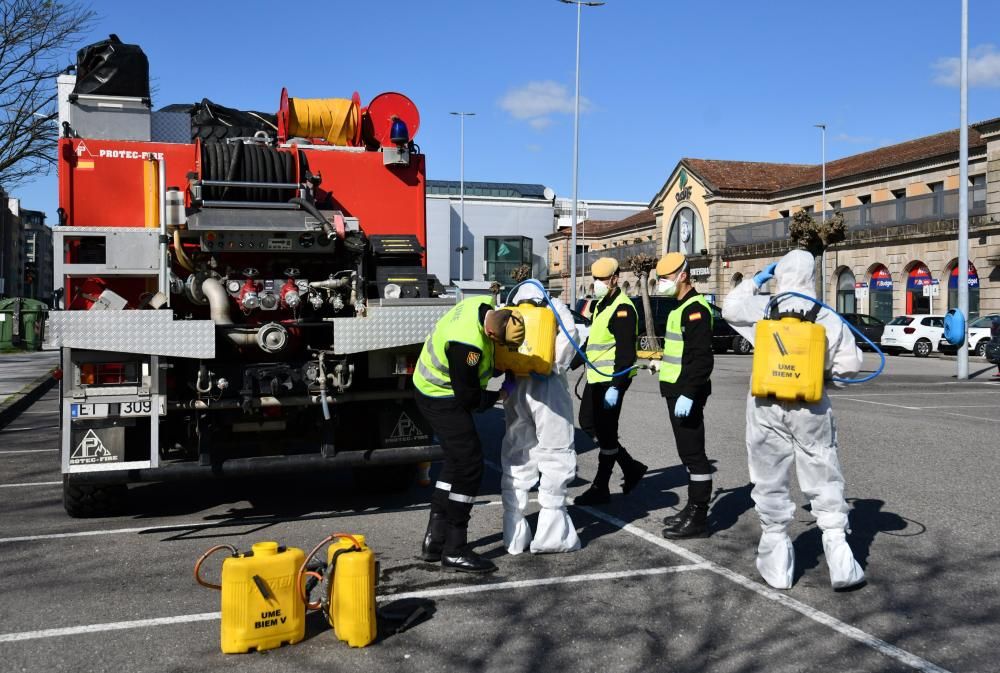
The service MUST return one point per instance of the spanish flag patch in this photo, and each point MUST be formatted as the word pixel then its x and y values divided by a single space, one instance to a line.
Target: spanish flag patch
pixel 622 313
pixel 694 316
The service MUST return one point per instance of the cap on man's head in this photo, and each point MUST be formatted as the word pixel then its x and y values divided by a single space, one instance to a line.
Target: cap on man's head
pixel 605 267
pixel 672 262
pixel 508 326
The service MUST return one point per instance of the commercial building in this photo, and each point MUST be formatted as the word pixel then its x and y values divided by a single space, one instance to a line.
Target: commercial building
pixel 505 226
pixel 900 204
pixel 25 252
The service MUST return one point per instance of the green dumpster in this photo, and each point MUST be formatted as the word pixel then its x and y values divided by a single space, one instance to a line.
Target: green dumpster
pixel 22 323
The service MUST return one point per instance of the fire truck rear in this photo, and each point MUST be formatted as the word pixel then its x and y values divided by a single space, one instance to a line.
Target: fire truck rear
pixel 238 300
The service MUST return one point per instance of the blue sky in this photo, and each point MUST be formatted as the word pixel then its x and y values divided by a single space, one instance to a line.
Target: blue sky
pixel 661 79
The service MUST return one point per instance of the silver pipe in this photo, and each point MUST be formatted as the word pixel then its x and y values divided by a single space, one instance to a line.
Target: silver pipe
pixel 218 301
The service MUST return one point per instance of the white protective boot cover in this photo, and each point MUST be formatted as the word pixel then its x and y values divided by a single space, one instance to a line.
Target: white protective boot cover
pixel 844 569
pixel 776 556
pixel 516 530
pixel 556 532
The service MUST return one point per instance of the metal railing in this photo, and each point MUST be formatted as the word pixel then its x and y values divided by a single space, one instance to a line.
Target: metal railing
pixel 894 213
pixel 621 253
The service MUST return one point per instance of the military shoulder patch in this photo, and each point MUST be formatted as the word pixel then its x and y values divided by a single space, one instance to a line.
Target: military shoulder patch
pixel 622 313
pixel 472 359
pixel 694 316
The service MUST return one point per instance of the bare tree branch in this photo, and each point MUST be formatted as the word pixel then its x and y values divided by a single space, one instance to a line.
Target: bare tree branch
pixel 36 35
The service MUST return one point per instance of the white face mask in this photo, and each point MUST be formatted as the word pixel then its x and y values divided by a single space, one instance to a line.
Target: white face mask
pixel 666 287
pixel 601 289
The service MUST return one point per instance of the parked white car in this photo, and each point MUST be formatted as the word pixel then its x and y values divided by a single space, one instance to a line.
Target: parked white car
pixel 979 336
pixel 918 334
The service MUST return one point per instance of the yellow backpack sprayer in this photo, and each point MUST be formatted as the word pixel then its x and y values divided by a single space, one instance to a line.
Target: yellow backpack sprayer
pixel 789 358
pixel 538 351
pixel 261 606
pixel 349 598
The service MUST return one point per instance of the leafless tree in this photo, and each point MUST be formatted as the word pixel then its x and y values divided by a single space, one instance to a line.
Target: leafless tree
pixel 641 265
pixel 36 36
pixel 815 236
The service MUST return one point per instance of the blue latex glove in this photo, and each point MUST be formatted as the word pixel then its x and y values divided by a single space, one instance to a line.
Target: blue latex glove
pixel 611 398
pixel 765 275
pixel 683 407
pixel 539 377
pixel 509 383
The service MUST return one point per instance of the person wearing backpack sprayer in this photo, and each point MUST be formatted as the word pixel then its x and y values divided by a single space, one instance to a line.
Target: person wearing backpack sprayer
pixel 685 383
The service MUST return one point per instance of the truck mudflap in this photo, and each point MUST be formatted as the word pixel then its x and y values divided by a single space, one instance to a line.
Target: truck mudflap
pixel 265 465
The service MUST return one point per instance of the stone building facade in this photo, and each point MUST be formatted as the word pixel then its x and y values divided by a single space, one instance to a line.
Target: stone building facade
pixel 900 204
pixel 620 239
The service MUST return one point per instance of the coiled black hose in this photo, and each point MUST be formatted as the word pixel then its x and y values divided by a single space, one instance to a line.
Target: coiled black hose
pixel 241 162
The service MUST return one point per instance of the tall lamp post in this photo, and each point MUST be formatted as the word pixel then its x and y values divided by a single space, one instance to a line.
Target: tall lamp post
pixel 963 194
pixel 461 191
pixel 822 257
pixel 580 4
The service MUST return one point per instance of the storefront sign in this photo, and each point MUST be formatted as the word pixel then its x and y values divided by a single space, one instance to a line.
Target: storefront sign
pixel 881 280
pixel 703 272
pixel 861 291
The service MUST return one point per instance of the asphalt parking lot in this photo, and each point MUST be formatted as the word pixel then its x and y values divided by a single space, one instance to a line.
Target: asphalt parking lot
pixel 918 451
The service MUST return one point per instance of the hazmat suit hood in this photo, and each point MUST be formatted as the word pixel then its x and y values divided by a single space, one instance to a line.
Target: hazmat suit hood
pixel 796 272
pixel 528 292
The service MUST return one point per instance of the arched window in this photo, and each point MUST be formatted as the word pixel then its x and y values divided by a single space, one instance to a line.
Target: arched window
pixel 845 292
pixel 973 290
pixel 917 277
pixel 880 293
pixel 686 233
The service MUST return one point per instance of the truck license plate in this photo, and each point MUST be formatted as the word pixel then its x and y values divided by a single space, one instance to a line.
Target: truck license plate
pixel 103 409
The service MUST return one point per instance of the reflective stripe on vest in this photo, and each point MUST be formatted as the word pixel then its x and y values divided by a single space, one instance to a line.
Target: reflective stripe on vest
pixel 601 342
pixel 460 324
pixel 673 339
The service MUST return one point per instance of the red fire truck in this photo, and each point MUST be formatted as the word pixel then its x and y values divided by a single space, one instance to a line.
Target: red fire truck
pixel 241 297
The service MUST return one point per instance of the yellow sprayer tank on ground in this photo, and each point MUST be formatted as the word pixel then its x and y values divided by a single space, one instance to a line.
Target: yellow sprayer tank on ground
pixel 261 606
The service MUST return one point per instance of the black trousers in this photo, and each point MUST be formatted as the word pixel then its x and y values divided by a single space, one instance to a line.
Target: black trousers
pixel 689 435
pixel 458 483
pixel 595 420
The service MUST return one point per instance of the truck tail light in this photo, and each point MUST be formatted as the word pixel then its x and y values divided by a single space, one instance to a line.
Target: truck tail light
pixel 109 373
pixel 88 374
pixel 909 330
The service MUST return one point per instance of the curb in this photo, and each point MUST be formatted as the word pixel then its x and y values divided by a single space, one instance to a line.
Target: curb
pixel 25 397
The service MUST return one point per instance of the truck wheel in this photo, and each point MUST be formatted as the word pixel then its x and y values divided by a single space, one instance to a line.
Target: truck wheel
pixel 922 348
pixel 742 346
pixel 981 348
pixel 385 478
pixel 84 501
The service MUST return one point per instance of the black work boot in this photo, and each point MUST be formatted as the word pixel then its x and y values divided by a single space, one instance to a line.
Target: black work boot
pixel 595 495
pixel 676 518
pixel 633 470
pixel 437 528
pixel 458 557
pixel 693 525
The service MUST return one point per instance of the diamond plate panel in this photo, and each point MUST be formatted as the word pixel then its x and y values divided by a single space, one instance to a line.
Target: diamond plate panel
pixel 139 332
pixel 385 327
pixel 170 127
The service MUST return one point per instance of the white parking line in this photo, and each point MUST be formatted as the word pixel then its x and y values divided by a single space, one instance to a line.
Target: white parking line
pixel 877 644
pixel 977 393
pixel 812 613
pixel 881 404
pixel 430 593
pixel 32 483
pixel 978 418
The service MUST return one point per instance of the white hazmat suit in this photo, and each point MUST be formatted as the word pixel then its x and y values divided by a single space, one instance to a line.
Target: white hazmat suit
pixel 778 433
pixel 538 448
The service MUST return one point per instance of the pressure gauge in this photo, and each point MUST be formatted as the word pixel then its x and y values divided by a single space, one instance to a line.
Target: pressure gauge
pixel 302 284
pixel 234 286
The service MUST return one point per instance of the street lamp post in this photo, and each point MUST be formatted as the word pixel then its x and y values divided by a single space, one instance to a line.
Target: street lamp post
pixel 963 195
pixel 822 257
pixel 580 4
pixel 461 190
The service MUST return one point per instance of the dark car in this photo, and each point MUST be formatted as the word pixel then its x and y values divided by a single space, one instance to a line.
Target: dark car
pixel 724 337
pixel 868 325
